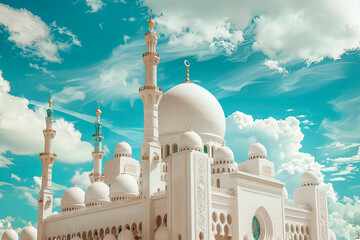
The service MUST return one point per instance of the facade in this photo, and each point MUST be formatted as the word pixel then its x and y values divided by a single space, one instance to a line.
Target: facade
pixel 187 184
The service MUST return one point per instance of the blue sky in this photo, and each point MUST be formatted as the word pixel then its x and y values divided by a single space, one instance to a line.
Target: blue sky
pixel 286 73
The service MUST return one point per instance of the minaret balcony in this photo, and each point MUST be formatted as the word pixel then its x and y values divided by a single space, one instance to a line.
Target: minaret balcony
pixel 151 53
pixel 151 87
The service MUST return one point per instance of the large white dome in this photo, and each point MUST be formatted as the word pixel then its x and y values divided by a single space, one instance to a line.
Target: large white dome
pixel 257 150
pixel 124 186
pixel 123 149
pixel 190 139
pixel 10 234
pixel 28 233
pixel 309 178
pixel 73 198
pixel 188 104
pixel 224 153
pixel 97 192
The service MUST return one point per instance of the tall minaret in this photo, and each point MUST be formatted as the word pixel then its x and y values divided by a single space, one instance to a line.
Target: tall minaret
pixel 150 148
pixel 47 159
pixel 97 154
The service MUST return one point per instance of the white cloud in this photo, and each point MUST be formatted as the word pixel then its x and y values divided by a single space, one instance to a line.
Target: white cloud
pixel 345 130
pixel 21 131
pixel 282 139
pixel 193 32
pixel 30 199
pixel 43 69
pixel 32 35
pixel 348 170
pixel 329 169
pixel 95 5
pixel 301 116
pixel 82 178
pixel 344 219
pixel 285 30
pixel 352 159
pixel 337 179
pixel 274 65
pixel 69 94
pixel 1 195
pixel 17 178
pixel 289 110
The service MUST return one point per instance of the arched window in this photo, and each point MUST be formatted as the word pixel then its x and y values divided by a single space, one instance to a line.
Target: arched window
pixel 175 148
pixel 218 183
pixel 256 228
pixel 205 149
pixel 167 150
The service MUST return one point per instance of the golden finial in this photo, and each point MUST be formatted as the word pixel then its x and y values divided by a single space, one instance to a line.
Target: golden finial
pixel 187 64
pixel 98 111
pixel 50 100
pixel 151 22
pixel 190 128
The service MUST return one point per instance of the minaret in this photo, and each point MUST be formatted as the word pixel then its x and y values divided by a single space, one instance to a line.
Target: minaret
pixel 150 148
pixel 47 159
pixel 97 154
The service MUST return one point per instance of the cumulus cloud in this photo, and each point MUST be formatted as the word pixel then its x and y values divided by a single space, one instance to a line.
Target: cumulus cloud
pixel 95 5
pixel 21 131
pixel 285 30
pixel 274 65
pixel 282 138
pixel 32 35
pixel 81 178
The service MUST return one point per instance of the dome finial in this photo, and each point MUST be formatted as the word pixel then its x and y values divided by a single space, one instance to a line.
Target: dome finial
pixel 256 140
pixel 187 64
pixel 151 22
pixel 75 183
pixel 98 111
pixel 10 226
pixel 50 100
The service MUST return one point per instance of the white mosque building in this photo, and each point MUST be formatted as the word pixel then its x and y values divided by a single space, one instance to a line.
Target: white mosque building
pixel 187 185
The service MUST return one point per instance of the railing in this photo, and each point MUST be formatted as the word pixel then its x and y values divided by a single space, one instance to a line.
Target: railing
pixel 150 87
pixel 159 193
pixel 223 190
pixel 90 208
pixel 151 53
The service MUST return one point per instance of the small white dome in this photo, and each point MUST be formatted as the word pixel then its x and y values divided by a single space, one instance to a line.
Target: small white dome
pixel 285 193
pixel 257 150
pixel 28 233
pixel 74 197
pixel 109 236
pixel 190 104
pixel 331 234
pixel 191 140
pixel 162 234
pixel 309 178
pixel 97 193
pixel 124 186
pixel 125 235
pixel 224 153
pixel 123 149
pixel 10 234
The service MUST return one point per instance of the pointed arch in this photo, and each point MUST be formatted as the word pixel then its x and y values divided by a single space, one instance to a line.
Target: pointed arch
pixel 265 223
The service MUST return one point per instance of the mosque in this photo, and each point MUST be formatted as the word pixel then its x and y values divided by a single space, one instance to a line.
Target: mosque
pixel 187 185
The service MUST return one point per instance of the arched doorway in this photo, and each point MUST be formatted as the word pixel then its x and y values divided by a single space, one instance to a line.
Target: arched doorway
pixel 262 227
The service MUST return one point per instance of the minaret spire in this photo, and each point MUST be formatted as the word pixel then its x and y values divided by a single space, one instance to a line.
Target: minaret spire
pixel 97 154
pixel 150 148
pixel 47 159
